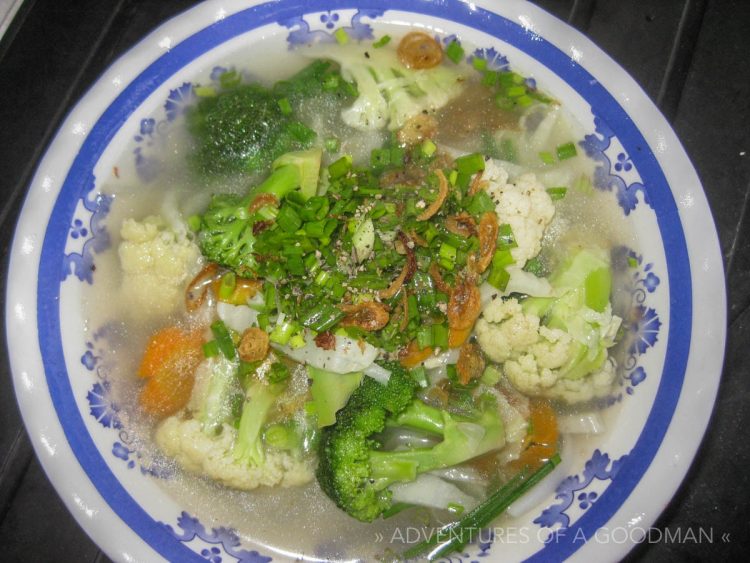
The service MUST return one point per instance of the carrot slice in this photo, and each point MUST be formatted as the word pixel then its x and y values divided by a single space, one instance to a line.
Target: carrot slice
pixel 541 442
pixel 412 356
pixel 168 365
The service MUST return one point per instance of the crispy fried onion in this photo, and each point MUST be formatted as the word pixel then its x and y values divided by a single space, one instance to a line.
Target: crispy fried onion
pixel 406 274
pixel 368 315
pixel 418 128
pixel 477 184
pixel 419 50
pixel 470 363
pixel 261 200
pixel 437 277
pixel 464 305
pixel 196 291
pixel 488 228
pixel 326 340
pixel 253 345
pixel 434 207
pixel 461 224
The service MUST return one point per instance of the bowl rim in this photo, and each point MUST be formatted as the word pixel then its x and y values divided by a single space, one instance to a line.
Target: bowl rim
pixel 681 282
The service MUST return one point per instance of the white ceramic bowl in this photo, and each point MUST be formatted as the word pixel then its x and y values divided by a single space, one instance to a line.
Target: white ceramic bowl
pixel 617 485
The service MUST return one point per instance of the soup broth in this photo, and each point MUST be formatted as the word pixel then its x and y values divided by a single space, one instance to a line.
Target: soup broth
pixel 302 521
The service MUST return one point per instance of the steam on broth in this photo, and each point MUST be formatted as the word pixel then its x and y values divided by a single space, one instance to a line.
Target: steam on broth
pixel 411 240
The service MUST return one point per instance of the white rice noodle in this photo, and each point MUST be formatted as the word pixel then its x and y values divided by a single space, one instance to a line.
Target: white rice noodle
pixel 581 423
pixel 546 488
pixel 432 491
pixel 349 355
pixel 459 474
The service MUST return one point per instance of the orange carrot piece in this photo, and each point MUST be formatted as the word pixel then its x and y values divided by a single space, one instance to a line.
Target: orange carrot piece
pixel 412 356
pixel 541 443
pixel 168 365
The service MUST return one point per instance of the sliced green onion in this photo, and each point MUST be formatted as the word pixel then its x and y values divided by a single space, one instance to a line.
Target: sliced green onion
pixel 504 102
pixel 428 148
pixel 447 256
pixel 226 285
pixel 204 91
pixel 283 331
pixel 455 52
pixel 440 335
pixel 524 101
pixel 454 537
pixel 470 164
pixel 479 63
pixel 424 336
pixel 380 158
pixel 340 167
pixel 568 150
pixel 515 91
pixel 297 341
pixel 288 220
pixel 285 106
pixel 332 144
pixel 382 42
pixel 342 37
pixel 322 317
pixel 223 339
pixel 557 192
pixel 479 203
pixel 210 349
pixel 547 157
pixel 490 78
pixel 505 238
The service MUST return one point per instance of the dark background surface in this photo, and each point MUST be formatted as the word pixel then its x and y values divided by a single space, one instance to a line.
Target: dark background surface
pixel 690 56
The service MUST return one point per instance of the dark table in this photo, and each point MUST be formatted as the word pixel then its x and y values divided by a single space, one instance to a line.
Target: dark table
pixel 690 56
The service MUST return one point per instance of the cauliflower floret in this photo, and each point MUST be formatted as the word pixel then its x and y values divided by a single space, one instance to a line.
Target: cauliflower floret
pixel 504 330
pixel 528 376
pixel 524 205
pixel 212 456
pixel 533 356
pixel 156 263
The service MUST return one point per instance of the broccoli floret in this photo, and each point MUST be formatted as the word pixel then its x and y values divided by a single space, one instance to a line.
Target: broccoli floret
pixel 356 473
pixel 225 235
pixel 243 129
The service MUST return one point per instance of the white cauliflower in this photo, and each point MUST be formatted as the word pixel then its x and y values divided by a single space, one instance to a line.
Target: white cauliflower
pixel 534 357
pixel 213 457
pixel 524 205
pixel 203 438
pixel 565 356
pixel 156 263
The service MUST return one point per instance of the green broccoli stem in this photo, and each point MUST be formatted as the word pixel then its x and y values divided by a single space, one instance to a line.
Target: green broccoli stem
pixel 259 399
pixel 281 181
pixel 463 439
pixel 299 169
pixel 216 407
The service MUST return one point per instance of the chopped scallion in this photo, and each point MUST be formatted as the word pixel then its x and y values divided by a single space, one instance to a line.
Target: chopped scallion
pixel 454 52
pixel 565 151
pixel 342 37
pixel 223 339
pixel 557 192
pixel 382 42
pixel 470 164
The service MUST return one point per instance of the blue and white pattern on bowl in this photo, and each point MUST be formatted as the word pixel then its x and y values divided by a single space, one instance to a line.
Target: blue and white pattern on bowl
pixel 659 273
